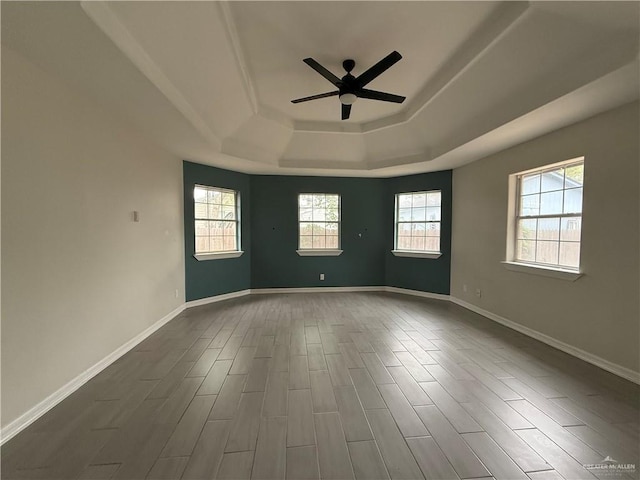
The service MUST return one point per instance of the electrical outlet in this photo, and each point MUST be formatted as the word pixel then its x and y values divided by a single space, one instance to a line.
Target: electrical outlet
pixel 464 288
pixel 322 276
pixel 177 292
pixel 478 293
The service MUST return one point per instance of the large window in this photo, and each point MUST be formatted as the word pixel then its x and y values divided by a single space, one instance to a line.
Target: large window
pixel 319 221
pixel 217 225
pixel 418 222
pixel 548 215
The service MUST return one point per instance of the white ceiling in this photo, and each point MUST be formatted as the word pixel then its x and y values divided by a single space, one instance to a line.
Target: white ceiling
pixel 213 82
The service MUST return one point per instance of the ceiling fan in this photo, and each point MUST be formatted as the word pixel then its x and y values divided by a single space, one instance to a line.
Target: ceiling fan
pixel 350 88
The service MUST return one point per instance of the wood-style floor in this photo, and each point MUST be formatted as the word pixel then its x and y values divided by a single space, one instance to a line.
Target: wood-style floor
pixel 336 386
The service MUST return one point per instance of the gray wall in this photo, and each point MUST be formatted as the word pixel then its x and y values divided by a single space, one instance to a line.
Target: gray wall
pixel 79 277
pixel 599 313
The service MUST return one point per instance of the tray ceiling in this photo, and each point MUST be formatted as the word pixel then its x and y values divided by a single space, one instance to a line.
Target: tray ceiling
pixel 213 81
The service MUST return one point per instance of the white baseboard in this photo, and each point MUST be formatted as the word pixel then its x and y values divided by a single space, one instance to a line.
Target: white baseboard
pixel 31 415
pixel 614 368
pixel 405 291
pixel 217 298
pixel 417 293
pixel 262 291
pixel 45 405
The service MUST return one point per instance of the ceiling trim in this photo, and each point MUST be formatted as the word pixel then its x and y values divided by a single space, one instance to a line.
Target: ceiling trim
pixel 504 19
pixel 100 13
pixel 236 48
pixel 592 81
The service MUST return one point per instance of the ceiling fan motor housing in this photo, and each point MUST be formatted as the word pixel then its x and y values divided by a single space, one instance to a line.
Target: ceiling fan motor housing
pixel 351 88
pixel 348 65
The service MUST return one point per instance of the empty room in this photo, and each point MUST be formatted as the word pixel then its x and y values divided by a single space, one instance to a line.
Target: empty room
pixel 320 240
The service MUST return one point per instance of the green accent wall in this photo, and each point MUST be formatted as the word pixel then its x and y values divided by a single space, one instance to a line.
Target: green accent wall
pixel 274 241
pixel 269 223
pixel 215 277
pixel 424 274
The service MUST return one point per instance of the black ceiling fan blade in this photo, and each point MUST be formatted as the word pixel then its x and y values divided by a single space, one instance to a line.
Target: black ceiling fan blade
pixel 323 71
pixel 346 111
pixel 378 68
pixel 315 97
pixel 375 95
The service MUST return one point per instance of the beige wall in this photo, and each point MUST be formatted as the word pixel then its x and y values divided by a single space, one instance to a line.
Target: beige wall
pixel 79 277
pixel 599 313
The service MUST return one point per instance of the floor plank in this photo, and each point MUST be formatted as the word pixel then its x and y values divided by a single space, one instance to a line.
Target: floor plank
pixel 473 399
pixel 464 461
pixel 315 356
pixel 526 458
pixel 376 369
pixel 236 466
pixel 207 454
pixel 333 455
pixel 367 461
pixel 402 411
pixel 414 367
pixel 302 463
pixel 353 419
pixel 338 370
pixel 560 460
pixel 204 363
pixel 275 399
pixel 366 388
pixel 397 457
pixel 244 431
pixel 501 466
pixel 258 374
pixel 432 461
pixel 322 394
pixel 410 388
pixel 351 355
pixel 188 430
pixel 270 456
pixel 242 361
pixel 459 418
pixel 214 380
pixel 298 372
pixel 227 402
pixel 300 430
pixel 168 468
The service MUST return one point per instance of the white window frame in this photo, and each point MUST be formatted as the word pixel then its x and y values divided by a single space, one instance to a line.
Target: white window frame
pixel 512 263
pixel 320 252
pixel 415 253
pixel 219 255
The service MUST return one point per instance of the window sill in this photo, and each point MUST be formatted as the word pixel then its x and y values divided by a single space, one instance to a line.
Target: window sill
pixel 319 253
pixel 416 254
pixel 558 273
pixel 217 255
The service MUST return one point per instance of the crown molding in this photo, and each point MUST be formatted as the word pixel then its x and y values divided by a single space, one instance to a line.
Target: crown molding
pixel 503 20
pixel 233 38
pixel 100 13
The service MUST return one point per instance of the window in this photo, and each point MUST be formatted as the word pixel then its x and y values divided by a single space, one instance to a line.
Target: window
pixel 548 216
pixel 217 222
pixel 418 224
pixel 319 224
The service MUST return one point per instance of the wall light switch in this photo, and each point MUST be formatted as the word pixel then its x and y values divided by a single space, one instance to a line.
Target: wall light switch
pixel 136 216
